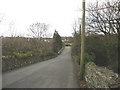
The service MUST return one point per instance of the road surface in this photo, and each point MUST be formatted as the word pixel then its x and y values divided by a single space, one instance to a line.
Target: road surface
pixel 58 72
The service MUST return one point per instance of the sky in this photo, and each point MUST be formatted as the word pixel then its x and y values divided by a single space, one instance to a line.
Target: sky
pixel 18 15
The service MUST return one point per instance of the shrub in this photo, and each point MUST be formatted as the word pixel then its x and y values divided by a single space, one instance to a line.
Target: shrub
pixel 57 42
pixel 95 45
pixel 100 49
pixel 111 44
pixel 67 44
pixel 22 45
pixel 20 55
pixel 91 63
pixel 11 54
pixel 77 58
pixel 89 57
pixel 29 54
pixel 76 45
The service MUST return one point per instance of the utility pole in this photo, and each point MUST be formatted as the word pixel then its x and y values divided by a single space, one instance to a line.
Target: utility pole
pixel 82 42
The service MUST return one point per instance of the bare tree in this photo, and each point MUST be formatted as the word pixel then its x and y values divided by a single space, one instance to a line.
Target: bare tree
pixel 38 30
pixel 104 18
pixel 11 29
pixel 77 26
pixel 1 17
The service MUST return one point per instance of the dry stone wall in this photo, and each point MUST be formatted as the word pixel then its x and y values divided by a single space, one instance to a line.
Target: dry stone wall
pixel 101 77
pixel 13 63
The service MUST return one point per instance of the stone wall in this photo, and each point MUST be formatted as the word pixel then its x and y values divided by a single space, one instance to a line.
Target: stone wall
pixel 101 77
pixel 10 63
pixel 13 63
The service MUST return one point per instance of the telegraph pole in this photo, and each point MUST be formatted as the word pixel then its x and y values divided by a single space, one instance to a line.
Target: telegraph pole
pixel 82 42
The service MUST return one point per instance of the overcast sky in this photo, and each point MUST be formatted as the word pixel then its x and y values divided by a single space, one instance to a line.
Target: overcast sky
pixel 19 14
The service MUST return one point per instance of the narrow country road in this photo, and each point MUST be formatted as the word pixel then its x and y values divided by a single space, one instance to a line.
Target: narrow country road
pixel 54 73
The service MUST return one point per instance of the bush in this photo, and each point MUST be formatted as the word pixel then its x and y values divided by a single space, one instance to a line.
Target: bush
pixel 89 57
pixel 20 55
pixel 76 45
pixel 91 63
pixel 111 44
pixel 57 42
pixel 23 45
pixel 95 45
pixel 67 44
pixel 77 58
pixel 49 54
pixel 29 54
pixel 100 49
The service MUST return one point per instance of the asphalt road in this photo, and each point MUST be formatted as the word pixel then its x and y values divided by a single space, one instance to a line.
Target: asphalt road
pixel 54 73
